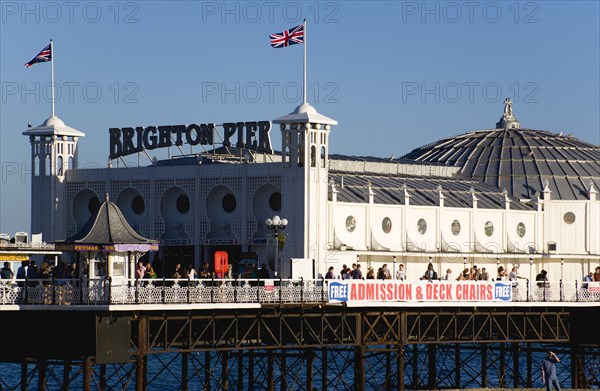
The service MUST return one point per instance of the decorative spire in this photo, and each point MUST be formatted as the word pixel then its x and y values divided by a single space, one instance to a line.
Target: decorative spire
pixel 508 120
pixel 406 195
pixel 441 196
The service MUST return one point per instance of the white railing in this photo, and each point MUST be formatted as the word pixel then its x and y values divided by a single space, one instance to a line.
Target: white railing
pixel 183 291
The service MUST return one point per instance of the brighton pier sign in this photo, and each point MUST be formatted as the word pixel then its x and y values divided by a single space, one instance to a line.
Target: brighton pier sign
pixel 250 135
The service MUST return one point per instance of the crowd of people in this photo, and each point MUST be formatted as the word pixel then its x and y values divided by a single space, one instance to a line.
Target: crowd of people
pixel 29 271
pixel 468 274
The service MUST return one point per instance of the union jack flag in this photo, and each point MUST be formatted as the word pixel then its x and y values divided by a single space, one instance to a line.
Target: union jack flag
pixel 292 36
pixel 44 56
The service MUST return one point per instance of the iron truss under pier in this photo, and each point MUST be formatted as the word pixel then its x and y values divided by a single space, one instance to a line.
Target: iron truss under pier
pixel 300 347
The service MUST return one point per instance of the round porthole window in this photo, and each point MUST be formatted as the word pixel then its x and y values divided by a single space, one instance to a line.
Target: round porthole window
pixel 138 205
pixel 521 230
pixel 488 228
pixel 455 228
pixel 229 203
pixel 386 225
pixel 569 218
pixel 275 201
pixel 422 226
pixel 350 223
pixel 183 204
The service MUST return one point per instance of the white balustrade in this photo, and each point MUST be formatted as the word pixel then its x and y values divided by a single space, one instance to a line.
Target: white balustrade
pixel 285 291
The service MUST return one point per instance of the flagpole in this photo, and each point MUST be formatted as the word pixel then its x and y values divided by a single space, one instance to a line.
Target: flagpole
pixel 52 71
pixel 304 61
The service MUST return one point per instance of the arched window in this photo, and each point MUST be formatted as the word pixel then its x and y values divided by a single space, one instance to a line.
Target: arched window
pixel 323 154
pixel 36 166
pixel 313 156
pixel 47 167
pixel 286 156
pixel 59 166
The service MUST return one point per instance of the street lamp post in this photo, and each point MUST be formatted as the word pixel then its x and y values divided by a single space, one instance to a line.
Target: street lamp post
pixel 276 224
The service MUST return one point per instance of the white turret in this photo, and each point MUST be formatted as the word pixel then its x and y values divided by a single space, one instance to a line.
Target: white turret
pixel 305 149
pixel 53 152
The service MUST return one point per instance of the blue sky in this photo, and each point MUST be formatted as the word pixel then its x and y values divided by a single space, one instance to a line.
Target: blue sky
pixel 395 74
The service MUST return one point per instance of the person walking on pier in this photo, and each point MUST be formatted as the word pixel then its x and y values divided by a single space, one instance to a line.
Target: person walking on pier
pixel 549 377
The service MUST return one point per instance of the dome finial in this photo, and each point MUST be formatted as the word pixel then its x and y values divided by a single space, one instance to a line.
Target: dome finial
pixel 508 120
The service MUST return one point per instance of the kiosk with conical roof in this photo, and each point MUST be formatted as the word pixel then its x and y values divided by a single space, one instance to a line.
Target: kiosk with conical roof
pixel 107 244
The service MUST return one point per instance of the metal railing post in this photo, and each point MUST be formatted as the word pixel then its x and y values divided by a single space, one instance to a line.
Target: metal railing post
pixel 258 290
pixel 26 286
pixel 280 281
pixel 212 289
pixel 323 291
pixel 561 294
pixel 109 290
pixel 53 290
pixel 576 291
pixel 135 290
pixel 163 295
pixel 235 290
pixel 80 289
pixel 528 297
pixel 301 290
pixel 188 290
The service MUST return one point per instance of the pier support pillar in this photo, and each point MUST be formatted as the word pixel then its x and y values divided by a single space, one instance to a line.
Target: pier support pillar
pixel 102 377
pixel 415 367
pixel 184 370
pixel 139 373
pixel 529 365
pixel 578 379
pixel 24 376
pixel 251 370
pixel 67 375
pixel 484 354
pixel 457 364
pixel 324 368
pixel 388 369
pixel 283 370
pixel 240 368
pixel 431 368
pixel 516 371
pixel 400 363
pixel 501 351
pixel 310 357
pixel 359 368
pixel 140 363
pixel 42 366
pixel 225 369
pixel 270 370
pixel 359 356
pixel 207 370
pixel 87 373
